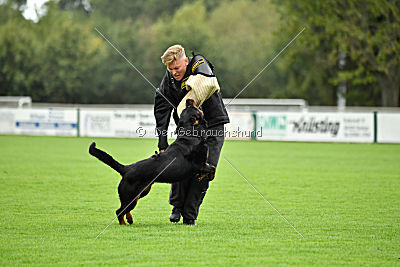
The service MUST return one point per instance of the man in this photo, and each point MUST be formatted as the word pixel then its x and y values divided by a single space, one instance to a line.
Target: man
pixel 187 196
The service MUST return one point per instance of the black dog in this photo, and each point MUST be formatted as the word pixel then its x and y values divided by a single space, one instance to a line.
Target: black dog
pixel 184 158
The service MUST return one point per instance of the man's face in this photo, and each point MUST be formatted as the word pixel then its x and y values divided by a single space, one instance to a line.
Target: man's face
pixel 178 68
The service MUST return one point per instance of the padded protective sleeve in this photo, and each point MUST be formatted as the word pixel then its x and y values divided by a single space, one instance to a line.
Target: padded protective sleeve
pixel 200 89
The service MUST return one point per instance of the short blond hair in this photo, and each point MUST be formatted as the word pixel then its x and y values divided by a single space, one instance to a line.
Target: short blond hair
pixel 173 53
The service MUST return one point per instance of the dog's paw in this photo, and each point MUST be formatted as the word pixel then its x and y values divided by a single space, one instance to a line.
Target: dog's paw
pixel 129 218
pixel 121 221
pixel 211 167
pixel 201 176
pixel 208 168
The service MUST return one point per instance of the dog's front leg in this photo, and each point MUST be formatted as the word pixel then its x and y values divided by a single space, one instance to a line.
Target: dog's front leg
pixel 207 170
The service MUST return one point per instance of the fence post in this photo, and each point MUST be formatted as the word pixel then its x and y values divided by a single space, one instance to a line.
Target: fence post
pixel 254 133
pixel 375 126
pixel 78 129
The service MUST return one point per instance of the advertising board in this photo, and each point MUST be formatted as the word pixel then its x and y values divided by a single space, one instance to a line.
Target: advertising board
pixel 120 123
pixel 388 130
pixel 38 121
pixel 315 127
pixel 241 126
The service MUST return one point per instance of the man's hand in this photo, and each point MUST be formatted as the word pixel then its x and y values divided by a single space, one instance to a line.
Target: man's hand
pixel 162 150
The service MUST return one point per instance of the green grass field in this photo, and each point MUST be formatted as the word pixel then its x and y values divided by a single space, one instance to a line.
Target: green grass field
pixel 345 199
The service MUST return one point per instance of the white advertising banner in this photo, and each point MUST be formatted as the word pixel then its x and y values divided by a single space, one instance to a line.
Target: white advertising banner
pixel 38 121
pixel 284 126
pixel 388 128
pixel 241 126
pixel 315 127
pixel 120 123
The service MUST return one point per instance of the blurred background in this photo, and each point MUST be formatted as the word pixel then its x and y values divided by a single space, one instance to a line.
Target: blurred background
pixel 348 54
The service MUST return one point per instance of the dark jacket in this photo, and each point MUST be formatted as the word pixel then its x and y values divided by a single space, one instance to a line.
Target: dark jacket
pixel 171 92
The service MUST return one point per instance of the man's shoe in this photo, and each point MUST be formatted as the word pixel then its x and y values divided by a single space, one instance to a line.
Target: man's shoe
pixel 189 221
pixel 175 215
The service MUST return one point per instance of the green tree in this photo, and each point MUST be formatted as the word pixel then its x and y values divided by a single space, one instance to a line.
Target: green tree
pixel 236 36
pixel 68 57
pixel 51 61
pixel 8 11
pixel 19 61
pixel 116 78
pixel 241 45
pixel 367 31
pixel 123 10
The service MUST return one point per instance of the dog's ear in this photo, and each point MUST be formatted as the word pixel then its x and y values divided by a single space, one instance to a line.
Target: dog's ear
pixel 189 102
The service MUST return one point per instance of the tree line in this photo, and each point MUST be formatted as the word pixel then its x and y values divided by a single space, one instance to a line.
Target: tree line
pixel 63 58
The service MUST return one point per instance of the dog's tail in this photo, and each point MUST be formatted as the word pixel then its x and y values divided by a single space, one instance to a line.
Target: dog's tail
pixel 106 158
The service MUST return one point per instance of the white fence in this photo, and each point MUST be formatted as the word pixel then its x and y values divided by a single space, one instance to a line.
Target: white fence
pixel 366 127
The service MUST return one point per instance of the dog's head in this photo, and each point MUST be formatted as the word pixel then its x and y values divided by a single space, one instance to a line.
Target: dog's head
pixel 192 117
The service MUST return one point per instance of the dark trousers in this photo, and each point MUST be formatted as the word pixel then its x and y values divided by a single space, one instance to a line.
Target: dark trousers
pixel 188 195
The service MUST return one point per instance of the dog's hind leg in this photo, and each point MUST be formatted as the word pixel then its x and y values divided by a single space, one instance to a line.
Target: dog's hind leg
pixel 120 218
pixel 123 192
pixel 128 195
pixel 125 210
pixel 129 217
pixel 146 191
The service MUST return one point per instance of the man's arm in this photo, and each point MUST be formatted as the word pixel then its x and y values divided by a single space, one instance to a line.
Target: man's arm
pixel 162 114
pixel 201 85
pixel 202 66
